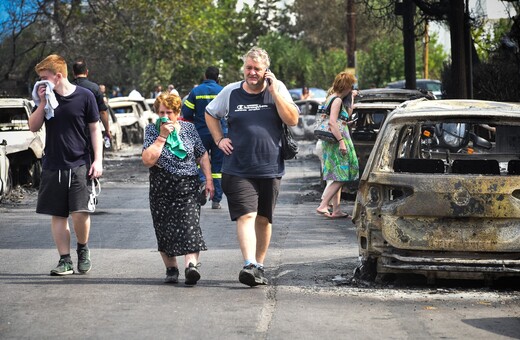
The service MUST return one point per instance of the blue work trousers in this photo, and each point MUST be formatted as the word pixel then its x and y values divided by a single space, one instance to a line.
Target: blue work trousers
pixel 216 157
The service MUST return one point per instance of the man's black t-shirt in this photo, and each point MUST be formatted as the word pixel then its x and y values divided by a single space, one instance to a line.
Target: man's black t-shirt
pixel 84 82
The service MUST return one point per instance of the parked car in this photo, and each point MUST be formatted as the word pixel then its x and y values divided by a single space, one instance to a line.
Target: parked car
pixel 440 193
pixel 305 127
pixel 434 86
pixel 5 172
pixel 115 130
pixel 146 110
pixel 371 108
pixel 316 93
pixel 24 148
pixel 130 118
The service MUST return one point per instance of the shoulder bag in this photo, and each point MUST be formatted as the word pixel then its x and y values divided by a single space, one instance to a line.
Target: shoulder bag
pixel 289 145
pixel 321 127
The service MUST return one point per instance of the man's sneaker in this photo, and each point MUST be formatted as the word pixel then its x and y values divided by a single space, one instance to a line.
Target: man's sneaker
pixel 216 205
pixel 192 274
pixel 172 275
pixel 84 260
pixel 64 268
pixel 262 276
pixel 251 276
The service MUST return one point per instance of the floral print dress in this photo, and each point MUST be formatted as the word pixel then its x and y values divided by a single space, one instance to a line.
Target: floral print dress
pixel 174 184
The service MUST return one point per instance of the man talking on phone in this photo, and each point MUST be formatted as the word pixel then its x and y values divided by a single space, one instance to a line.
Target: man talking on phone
pixel 253 164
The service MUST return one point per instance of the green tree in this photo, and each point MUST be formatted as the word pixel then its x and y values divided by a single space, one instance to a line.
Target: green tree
pixel 383 62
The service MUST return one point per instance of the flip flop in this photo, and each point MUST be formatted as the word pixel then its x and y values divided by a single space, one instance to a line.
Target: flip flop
pixel 329 215
pixel 321 212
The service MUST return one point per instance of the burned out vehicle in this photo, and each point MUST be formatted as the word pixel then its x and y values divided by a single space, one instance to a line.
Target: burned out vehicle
pixel 5 172
pixel 24 148
pixel 371 108
pixel 304 129
pixel 131 119
pixel 440 194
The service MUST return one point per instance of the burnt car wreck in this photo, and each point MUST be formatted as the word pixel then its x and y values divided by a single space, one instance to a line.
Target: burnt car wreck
pixel 440 195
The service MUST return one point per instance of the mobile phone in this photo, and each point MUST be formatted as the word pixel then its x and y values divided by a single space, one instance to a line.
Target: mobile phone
pixel 267 79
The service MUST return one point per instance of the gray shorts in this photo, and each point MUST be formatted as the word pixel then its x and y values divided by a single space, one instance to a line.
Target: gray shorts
pixel 247 195
pixel 65 191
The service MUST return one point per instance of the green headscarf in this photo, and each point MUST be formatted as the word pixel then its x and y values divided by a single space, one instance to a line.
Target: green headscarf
pixel 173 142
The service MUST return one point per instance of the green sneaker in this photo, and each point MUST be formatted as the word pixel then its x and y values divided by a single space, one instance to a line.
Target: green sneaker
pixel 84 260
pixel 64 268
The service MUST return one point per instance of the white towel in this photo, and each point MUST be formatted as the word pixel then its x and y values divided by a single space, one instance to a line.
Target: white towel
pixel 52 102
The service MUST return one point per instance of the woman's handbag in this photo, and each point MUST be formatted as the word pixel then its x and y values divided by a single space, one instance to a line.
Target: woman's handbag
pixel 289 145
pixel 321 127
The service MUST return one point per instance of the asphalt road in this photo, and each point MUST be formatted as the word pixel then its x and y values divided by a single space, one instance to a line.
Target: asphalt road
pixel 310 264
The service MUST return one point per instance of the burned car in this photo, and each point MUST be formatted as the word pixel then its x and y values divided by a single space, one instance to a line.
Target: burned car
pixel 371 108
pixel 115 130
pixel 24 148
pixel 5 172
pixel 131 119
pixel 304 129
pixel 440 194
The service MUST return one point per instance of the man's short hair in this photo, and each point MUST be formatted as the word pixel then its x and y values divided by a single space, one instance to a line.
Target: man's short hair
pixel 53 63
pixel 257 54
pixel 212 73
pixel 79 66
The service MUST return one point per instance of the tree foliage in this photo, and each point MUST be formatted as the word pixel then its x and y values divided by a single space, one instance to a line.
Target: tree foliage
pixel 136 44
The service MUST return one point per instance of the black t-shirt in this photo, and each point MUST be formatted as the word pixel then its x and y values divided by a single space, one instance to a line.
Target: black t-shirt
pixel 255 129
pixel 67 141
pixel 84 82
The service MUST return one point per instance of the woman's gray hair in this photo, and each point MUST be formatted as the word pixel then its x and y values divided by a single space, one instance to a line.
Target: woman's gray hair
pixel 257 54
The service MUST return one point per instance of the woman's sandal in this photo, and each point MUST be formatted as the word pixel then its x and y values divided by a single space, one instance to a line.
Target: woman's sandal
pixel 342 215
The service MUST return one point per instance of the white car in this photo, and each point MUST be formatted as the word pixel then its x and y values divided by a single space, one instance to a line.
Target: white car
pixel 146 110
pixel 131 118
pixel 24 148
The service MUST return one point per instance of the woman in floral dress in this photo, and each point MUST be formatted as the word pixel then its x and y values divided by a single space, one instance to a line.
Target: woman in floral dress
pixel 172 149
pixel 340 163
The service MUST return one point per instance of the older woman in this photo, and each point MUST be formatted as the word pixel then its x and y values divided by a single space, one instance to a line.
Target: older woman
pixel 340 163
pixel 172 149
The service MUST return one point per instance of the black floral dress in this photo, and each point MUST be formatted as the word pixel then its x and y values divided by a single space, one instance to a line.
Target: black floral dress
pixel 174 184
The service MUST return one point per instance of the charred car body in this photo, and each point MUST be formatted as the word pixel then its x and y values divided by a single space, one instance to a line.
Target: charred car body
pixel 131 119
pixel 24 148
pixel 5 172
pixel 440 194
